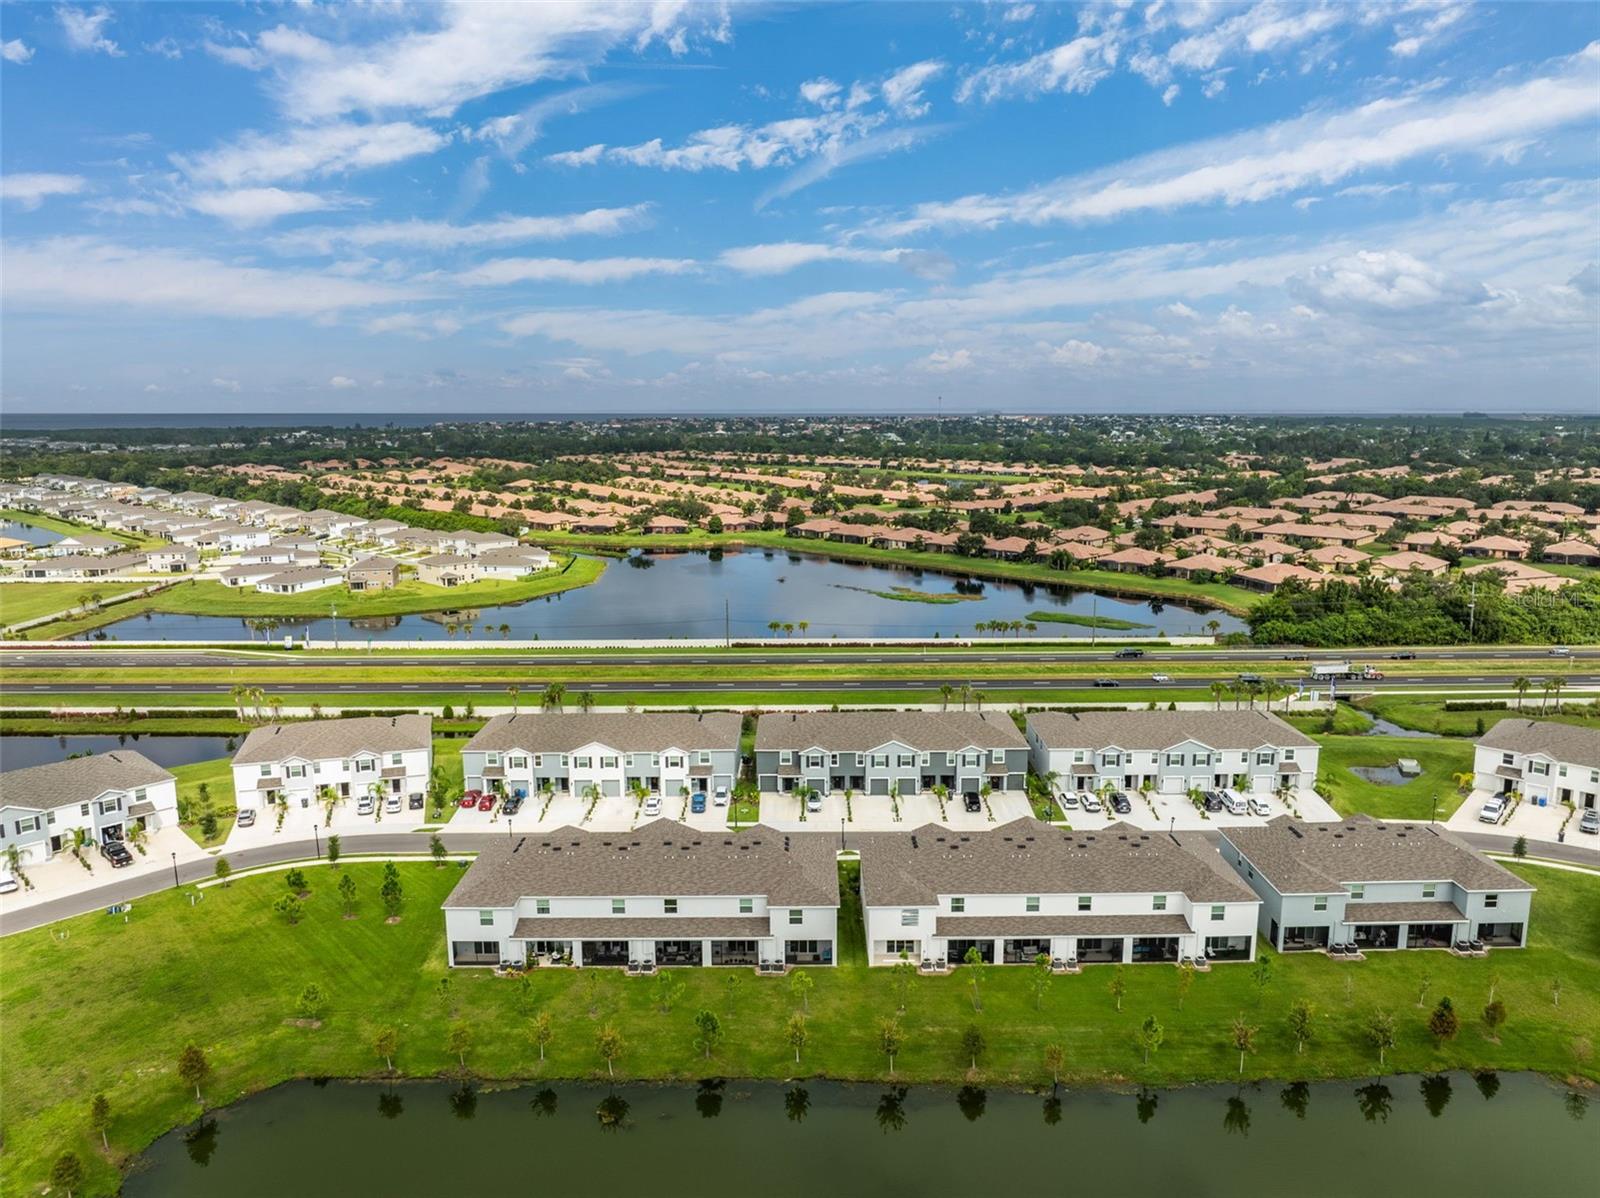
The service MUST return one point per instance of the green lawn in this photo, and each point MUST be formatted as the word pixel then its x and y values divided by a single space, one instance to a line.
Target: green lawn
pixel 223 974
pixel 21 601
pixel 1425 715
pixel 1350 793
pixel 217 775
pixel 69 528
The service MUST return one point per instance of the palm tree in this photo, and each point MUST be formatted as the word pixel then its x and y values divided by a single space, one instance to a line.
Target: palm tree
pixel 802 626
pixel 773 626
pixel 1218 689
pixel 1555 686
pixel 1521 686
pixel 1213 627
pixel 554 694
pixel 966 695
pixel 1544 699
pixel 586 701
pixel 788 628
pixel 513 692
pixel 978 698
pixel 945 692
pixel 1464 780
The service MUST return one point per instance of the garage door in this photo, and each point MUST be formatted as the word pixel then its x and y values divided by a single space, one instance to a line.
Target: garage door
pixel 1172 784
pixel 878 786
pixel 611 787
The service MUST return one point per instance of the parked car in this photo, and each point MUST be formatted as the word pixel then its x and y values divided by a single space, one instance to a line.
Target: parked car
pixel 364 805
pixel 470 799
pixel 1090 802
pixel 1259 807
pixel 1121 804
pixel 1590 822
pixel 1067 799
pixel 1235 803
pixel 1106 682
pixel 511 806
pixel 697 804
pixel 392 805
pixel 416 801
pixel 721 796
pixel 971 802
pixel 1128 653
pixel 1160 677
pixel 246 818
pixel 1491 811
pixel 116 852
pixel 1212 801
pixel 8 880
pixel 652 806
pixel 486 803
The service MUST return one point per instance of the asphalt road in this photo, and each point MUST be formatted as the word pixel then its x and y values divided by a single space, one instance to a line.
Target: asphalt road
pixel 1078 678
pixel 142 885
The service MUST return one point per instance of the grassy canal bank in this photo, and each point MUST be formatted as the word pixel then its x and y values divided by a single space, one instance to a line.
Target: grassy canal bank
pixel 225 974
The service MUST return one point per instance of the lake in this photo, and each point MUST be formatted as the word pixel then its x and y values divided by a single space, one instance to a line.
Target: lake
pixel 19 752
pixel 1457 1134
pixel 21 531
pixel 703 594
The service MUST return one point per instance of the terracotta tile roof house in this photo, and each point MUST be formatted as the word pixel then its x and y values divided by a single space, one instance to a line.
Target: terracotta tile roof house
pixel 1573 553
pixel 1332 557
pixel 1273 575
pixel 1210 563
pixel 1131 560
pixel 1428 540
pixel 1501 548
pixel 1405 562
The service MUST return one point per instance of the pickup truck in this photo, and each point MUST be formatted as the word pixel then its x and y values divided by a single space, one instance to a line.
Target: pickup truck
pixel 1491 812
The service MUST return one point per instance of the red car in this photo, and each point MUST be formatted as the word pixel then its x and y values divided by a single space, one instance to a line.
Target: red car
pixel 470 799
pixel 486 803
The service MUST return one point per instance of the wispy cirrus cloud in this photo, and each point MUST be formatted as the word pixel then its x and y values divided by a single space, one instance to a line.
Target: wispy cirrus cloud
pixel 303 153
pixel 28 189
pixel 442 235
pixel 500 272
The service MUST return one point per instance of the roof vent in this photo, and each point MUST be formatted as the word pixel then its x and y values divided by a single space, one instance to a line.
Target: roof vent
pixel 521 840
pixel 914 843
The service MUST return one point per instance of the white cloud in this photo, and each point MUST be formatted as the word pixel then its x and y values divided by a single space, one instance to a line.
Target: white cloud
pixel 249 206
pixel 440 235
pixel 29 190
pixel 1263 163
pixel 902 91
pixel 84 272
pixel 822 92
pixel 514 132
pixel 418 326
pixel 85 30
pixel 1384 280
pixel 258 158
pixel 587 156
pixel 222 384
pixel 1074 66
pixel 342 382
pixel 781 257
pixel 502 271
pixel 1170 94
pixel 16 51
pixel 165 47
pixel 947 361
pixel 1017 12
pixel 1436 22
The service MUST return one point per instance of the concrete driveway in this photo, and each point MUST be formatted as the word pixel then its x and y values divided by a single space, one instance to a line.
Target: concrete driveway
pixel 1536 823
pixel 63 875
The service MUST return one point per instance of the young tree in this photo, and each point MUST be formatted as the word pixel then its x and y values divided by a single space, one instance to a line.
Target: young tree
pixel 392 893
pixel 334 849
pixel 193 1068
pixel 1054 1058
pixel 973 960
pixel 223 871
pixel 1118 986
pixel 544 1031
pixel 1150 1035
pixel 311 1003
pixel 668 990
pixel 436 847
pixel 1302 1020
pixel 295 880
pixel 1261 975
pixel 288 906
pixel 800 984
pixel 460 1041
pixel 1039 980
pixel 1380 1033
pixel 66 1174
pixel 708 1032
pixel 386 1043
pixel 1493 1016
pixel 972 1043
pixel 1443 1024
pixel 889 1040
pixel 100 1118
pixel 608 1042
pixel 1243 1036
pixel 797 1034
pixel 347 892
pixel 1186 975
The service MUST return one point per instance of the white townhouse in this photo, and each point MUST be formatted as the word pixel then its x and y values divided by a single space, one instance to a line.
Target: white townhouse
pixel 298 580
pixel 663 894
pixel 248 576
pixel 1544 761
pixel 1375 885
pixel 1174 751
pixel 282 553
pixel 239 537
pixel 41 807
pixel 669 753
pixel 171 559
pixel 1027 888
pixel 376 755
pixel 84 543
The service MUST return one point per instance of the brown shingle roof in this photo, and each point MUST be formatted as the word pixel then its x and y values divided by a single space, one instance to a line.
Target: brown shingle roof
pixel 44 787
pixel 1157 730
pixel 640 732
pixel 1563 742
pixel 318 740
pixel 863 731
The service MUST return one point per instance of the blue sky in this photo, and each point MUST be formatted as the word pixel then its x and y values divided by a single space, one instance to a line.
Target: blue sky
pixel 856 207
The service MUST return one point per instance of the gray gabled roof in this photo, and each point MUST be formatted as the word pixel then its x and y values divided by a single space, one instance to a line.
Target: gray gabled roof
pixel 1322 858
pixel 1156 730
pixel 662 857
pixel 321 740
pixel 1028 856
pixel 641 732
pixel 863 731
pixel 1563 742
pixel 61 783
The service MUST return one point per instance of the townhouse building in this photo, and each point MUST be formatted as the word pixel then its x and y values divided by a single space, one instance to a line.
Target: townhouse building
pixel 668 753
pixel 662 894
pixel 1027 888
pixel 872 753
pixel 298 580
pixel 1170 752
pixel 370 755
pixel 1376 885
pixel 43 806
pixel 1544 761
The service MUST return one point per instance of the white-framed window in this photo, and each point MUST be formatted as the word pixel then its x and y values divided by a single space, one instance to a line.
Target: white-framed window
pixel 608 763
pixel 814 761
pixel 1265 757
pixel 880 761
pixel 924 760
pixel 541 906
pixel 1079 756
pixel 517 763
pixel 1319 903
pixel 1491 900
pixel 397 758
pixel 1175 759
pixel 28 824
pixel 107 806
pixel 1288 754
pixel 582 763
pixel 785 757
pixel 295 771
pixel 1357 890
pixel 1158 902
pixel 365 765
pixel 139 794
pixel 485 918
pixel 997 756
pixel 669 906
pixel 796 915
pixel 957 905
pixel 83 809
pixel 1085 902
pixel 896 947
pixel 910 917
pixel 833 761
pixel 908 761
pixel 619 906
pixel 1217 912
pixel 747 906
pixel 488 759
pixel 1508 758
pixel 1429 889
pixel 266 771
pixel 1030 903
pixel 703 757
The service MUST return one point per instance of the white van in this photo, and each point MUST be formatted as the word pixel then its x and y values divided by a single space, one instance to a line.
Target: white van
pixel 1235 803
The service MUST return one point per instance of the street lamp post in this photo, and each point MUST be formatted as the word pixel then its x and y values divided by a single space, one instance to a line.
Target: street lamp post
pixel 841 833
pixel 316 840
pixel 508 830
pixel 175 871
pixel 1435 813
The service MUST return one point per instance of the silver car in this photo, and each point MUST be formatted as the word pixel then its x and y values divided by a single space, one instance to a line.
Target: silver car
pixel 1590 822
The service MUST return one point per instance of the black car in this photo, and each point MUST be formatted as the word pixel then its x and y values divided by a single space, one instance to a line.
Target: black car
pixel 1106 682
pixel 511 806
pixel 972 802
pixel 1128 653
pixel 1120 803
pixel 117 853
pixel 1213 801
pixel 1403 655
pixel 1297 657
pixel 415 802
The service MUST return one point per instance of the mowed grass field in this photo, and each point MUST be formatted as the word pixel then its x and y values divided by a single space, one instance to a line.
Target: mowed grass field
pixel 1349 792
pixel 98 1005
pixel 21 601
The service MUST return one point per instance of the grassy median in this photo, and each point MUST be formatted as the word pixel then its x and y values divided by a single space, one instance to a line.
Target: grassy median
pixel 225 973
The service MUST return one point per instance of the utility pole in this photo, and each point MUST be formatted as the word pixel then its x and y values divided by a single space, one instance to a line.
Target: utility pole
pixel 1472 610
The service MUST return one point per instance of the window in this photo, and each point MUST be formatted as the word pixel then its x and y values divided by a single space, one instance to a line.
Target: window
pixel 488 759
pixel 1085 902
pixel 1358 891
pixel 785 757
pixel 517 763
pixel 107 806
pixel 582 763
pixel 1491 900
pixel 31 824
pixel 139 795
pixel 485 918
pixel 266 772
pixel 747 906
pixel 880 761
pixel 1265 757
pixel 1288 754
pixel 1507 758
pixel 1320 903
pixel 396 758
pixel 908 761
pixel 1175 759
pixel 608 763
pixel 796 915
pixel 924 760
pixel 703 757
pixel 1542 768
pixel 1428 889
pixel 1217 913
pixel 909 917
pixel 997 756
pixel 619 906
pixel 541 906
pixel 365 765
pixel 669 906
pixel 1031 903
pixel 909 948
pixel 1158 902
pixel 83 809
pixel 957 906
pixel 295 771
pixel 833 761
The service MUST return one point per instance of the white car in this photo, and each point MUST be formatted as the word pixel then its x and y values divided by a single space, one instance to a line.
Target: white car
pixel 813 803
pixel 1560 651
pixel 1090 802
pixel 8 881
pixel 1067 799
pixel 1491 811
pixel 1160 677
pixel 652 806
pixel 720 799
pixel 1259 807
pixel 392 804
pixel 247 817
pixel 364 805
